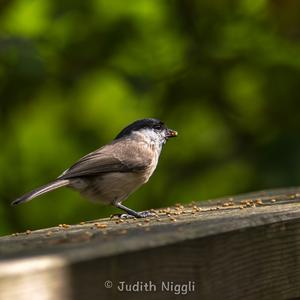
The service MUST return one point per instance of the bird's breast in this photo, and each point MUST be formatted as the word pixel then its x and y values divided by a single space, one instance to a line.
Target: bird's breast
pixel 109 187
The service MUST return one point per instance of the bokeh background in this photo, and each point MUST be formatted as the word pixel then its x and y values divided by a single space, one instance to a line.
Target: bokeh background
pixel 224 74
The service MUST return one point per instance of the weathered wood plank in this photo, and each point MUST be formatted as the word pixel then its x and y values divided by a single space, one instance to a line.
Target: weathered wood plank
pixel 245 247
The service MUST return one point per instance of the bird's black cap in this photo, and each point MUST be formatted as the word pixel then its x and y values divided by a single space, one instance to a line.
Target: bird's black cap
pixel 140 124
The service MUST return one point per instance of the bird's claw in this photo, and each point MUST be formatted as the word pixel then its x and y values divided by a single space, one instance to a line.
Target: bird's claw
pixel 122 216
pixel 142 214
pixel 146 214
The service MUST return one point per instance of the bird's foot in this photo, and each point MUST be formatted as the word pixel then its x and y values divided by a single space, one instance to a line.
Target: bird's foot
pixel 142 214
pixel 146 214
pixel 122 216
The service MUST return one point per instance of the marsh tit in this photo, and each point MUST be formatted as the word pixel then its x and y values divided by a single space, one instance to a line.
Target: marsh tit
pixel 111 173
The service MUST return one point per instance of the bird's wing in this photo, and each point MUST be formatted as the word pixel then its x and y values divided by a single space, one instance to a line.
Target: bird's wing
pixel 113 157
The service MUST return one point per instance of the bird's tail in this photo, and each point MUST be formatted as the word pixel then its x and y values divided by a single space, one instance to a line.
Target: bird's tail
pixel 41 190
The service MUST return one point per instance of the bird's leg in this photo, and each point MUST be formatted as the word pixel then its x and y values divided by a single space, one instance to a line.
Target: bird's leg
pixel 132 213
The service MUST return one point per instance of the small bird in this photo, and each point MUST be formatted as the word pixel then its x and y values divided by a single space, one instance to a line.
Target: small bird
pixel 114 171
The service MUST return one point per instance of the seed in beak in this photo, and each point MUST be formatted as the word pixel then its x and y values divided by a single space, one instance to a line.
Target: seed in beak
pixel 172 133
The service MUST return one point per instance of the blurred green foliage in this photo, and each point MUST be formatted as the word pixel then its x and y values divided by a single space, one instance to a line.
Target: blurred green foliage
pixel 225 74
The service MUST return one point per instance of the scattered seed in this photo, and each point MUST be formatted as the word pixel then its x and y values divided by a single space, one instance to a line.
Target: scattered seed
pixel 98 225
pixel 258 202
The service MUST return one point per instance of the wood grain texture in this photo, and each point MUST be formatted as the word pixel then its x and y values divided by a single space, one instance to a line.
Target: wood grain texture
pixel 244 247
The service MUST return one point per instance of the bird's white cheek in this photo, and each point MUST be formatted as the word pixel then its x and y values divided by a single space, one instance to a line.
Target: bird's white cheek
pixel 153 146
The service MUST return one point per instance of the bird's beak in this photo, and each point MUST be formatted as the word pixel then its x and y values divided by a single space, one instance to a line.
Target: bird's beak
pixel 171 133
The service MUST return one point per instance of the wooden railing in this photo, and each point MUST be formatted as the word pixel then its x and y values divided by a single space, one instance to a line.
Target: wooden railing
pixel 243 247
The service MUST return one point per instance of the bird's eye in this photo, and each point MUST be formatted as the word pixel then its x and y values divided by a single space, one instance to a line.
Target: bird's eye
pixel 158 126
